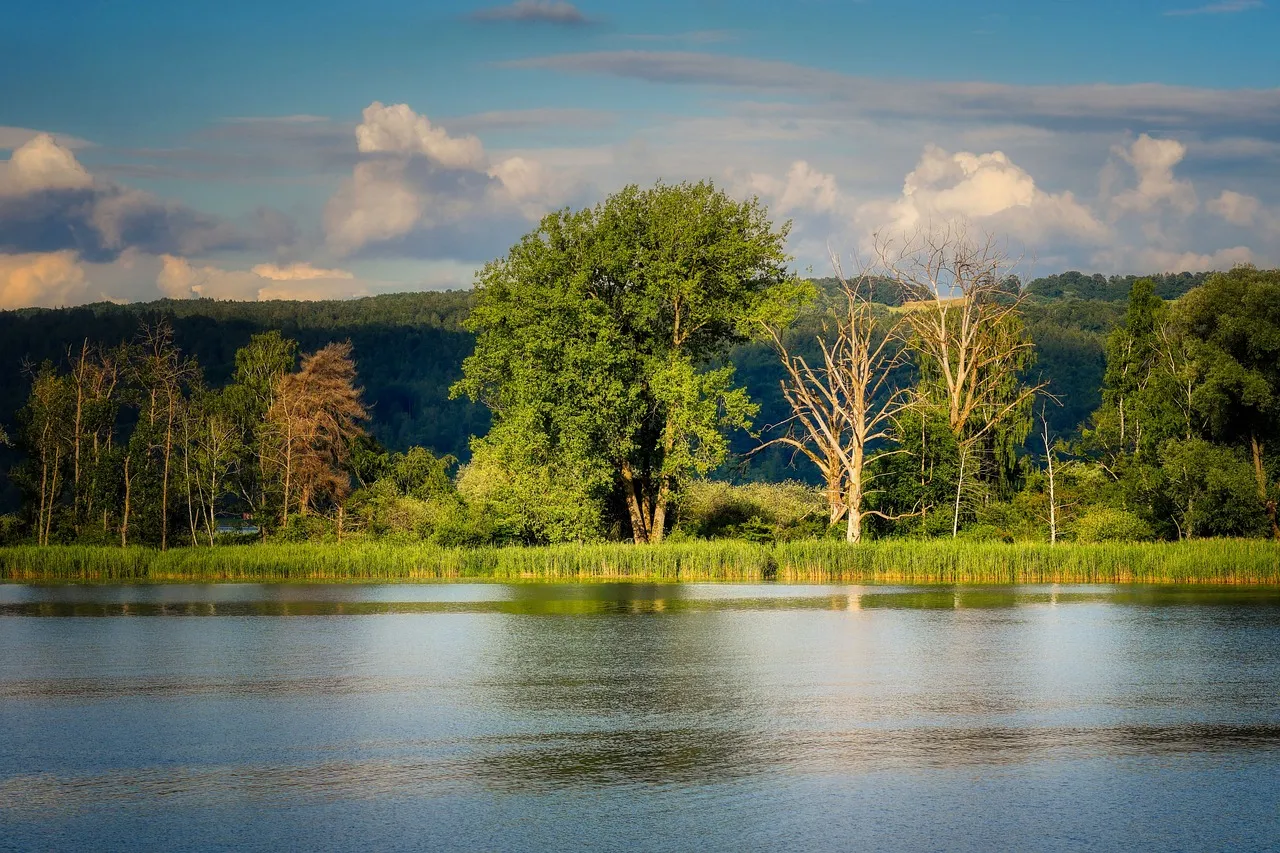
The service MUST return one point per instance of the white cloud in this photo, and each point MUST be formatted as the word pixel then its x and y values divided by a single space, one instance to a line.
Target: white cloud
pixel 46 279
pixel 421 177
pixel 374 205
pixel 16 137
pixel 180 279
pixel 989 190
pixel 803 189
pixel 1153 161
pixel 521 177
pixel 298 272
pixel 42 164
pixel 1236 208
pixel 396 129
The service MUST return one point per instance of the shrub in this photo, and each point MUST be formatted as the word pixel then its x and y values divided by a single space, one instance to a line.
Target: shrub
pixel 757 512
pixel 1110 524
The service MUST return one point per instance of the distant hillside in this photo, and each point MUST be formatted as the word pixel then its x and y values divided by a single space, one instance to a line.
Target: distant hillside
pixel 1077 285
pixel 409 349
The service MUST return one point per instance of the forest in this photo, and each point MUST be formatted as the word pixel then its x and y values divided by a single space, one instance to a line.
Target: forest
pixel 650 370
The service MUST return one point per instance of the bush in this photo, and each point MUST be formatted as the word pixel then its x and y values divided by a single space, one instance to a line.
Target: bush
pixel 306 528
pixel 12 530
pixel 1109 524
pixel 757 512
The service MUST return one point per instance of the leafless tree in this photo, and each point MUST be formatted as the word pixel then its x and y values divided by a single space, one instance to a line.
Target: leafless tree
pixel 844 408
pixel 966 326
pixel 1049 454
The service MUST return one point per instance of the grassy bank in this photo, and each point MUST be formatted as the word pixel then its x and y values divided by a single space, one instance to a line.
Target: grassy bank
pixel 899 561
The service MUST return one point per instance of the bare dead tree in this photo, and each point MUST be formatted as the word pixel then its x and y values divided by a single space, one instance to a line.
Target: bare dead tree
pixel 966 326
pixel 845 408
pixel 1053 497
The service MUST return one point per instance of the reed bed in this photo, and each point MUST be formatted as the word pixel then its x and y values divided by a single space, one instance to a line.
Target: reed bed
pixel 894 561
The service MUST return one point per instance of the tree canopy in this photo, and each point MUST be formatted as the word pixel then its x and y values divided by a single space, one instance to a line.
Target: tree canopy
pixel 595 335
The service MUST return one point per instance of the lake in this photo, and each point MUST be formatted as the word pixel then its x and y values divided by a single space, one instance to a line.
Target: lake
pixel 629 717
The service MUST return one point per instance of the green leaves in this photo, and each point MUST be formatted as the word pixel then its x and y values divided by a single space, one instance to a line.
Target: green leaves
pixel 593 331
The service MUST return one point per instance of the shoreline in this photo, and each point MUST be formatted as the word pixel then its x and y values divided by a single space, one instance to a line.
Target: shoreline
pixel 911 562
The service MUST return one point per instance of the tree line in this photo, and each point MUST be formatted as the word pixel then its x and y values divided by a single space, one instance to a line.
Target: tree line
pixel 603 353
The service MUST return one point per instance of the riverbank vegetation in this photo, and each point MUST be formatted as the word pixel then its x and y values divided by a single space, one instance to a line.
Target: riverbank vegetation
pixel 908 403
pixel 938 561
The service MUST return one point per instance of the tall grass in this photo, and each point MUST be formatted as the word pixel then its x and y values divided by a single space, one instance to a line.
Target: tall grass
pixel 894 561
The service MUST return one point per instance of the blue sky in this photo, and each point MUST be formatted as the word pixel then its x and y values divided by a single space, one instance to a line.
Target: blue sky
pixel 250 150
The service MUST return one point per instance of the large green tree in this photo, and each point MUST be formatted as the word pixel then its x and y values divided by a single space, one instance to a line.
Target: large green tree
pixel 1234 319
pixel 597 331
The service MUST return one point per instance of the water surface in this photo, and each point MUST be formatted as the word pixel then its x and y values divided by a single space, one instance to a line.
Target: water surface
pixel 639 717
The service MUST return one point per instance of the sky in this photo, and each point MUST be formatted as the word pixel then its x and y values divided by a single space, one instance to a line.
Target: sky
pixel 289 150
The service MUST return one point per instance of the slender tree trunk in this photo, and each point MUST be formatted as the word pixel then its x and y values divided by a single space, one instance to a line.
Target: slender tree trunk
pixel 186 470
pixel 1053 505
pixel 124 517
pixel 75 475
pixel 1260 473
pixel 210 512
pixel 955 517
pixel 164 483
pixel 288 479
pixel 53 492
pixel 44 481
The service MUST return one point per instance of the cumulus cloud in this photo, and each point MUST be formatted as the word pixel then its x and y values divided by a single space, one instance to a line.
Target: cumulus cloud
pixel 15 137
pixel 804 188
pixel 1245 211
pixel 397 129
pixel 181 279
pixel 49 202
pixel 536 12
pixel 417 176
pixel 1153 161
pixel 42 164
pixel 987 189
pixel 522 179
pixel 376 204
pixel 48 280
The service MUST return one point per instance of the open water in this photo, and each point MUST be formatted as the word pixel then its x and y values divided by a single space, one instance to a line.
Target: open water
pixel 476 717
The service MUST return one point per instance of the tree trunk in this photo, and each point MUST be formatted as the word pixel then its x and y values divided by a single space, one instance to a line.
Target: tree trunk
pixel 186 470
pixel 164 483
pixel 639 529
pixel 1053 505
pixel 1260 473
pixel 124 518
pixel 853 529
pixel 955 517
pixel 53 492
pixel 44 481
pixel 288 479
pixel 658 528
